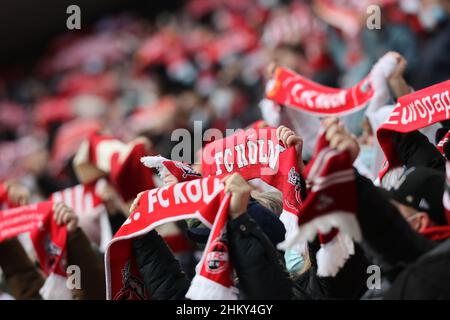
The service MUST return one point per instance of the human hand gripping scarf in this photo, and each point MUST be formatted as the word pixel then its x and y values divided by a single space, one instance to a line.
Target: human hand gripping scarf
pixel 203 199
pixel 256 153
pixel 49 242
pixel 329 209
pixel 413 111
pixel 103 155
pixel 290 89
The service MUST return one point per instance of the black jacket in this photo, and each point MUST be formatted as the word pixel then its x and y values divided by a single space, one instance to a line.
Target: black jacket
pixel 415 150
pixel 416 266
pixel 161 272
pixel 262 275
pixel 259 267
pixel 426 278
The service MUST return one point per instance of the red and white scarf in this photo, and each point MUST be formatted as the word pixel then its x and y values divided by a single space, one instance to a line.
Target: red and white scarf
pixel 104 155
pixel 443 142
pixel 329 209
pixel 86 202
pixel 413 111
pixel 181 171
pixel 203 199
pixel 291 89
pixel 258 154
pixel 4 201
pixel 49 241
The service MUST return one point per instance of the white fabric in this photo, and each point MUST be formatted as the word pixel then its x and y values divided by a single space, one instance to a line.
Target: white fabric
pixel 332 256
pixel 55 288
pixel 204 289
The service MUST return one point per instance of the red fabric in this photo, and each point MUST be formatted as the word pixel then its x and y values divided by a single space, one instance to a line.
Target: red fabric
pixel 49 239
pixel 325 238
pixel 12 115
pixel 436 233
pixel 69 138
pixel 444 140
pixel 127 175
pixel 181 171
pixel 257 153
pixel 200 198
pixel 178 243
pixel 5 203
pixel 293 90
pixel 332 185
pixel 215 263
pixel 413 112
pixel 81 198
pixel 257 124
pixel 54 109
pixel 3 193
pixel 104 85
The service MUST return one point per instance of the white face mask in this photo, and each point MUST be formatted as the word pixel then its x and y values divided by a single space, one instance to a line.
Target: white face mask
pixel 431 16
pixel 294 261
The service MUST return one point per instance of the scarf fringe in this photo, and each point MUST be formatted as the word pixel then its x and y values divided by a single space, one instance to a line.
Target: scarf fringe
pixel 290 222
pixel 55 288
pixel 203 288
pixel 155 162
pixel 332 256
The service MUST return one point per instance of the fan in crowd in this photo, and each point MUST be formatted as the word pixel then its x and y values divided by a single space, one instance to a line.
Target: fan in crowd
pixel 333 184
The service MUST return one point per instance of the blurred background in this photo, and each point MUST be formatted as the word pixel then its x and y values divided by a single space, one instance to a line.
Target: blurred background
pixel 148 67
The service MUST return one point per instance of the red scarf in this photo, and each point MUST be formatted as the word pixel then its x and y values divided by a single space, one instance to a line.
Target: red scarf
pixel 436 233
pixel 49 239
pixel 413 112
pixel 258 154
pixel 3 196
pixel 329 206
pixel 442 142
pixel 203 199
pixel 291 89
pixel 181 171
pixel 118 161
pixel 86 202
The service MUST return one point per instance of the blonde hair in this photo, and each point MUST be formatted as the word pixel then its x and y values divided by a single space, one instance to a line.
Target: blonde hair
pixel 271 200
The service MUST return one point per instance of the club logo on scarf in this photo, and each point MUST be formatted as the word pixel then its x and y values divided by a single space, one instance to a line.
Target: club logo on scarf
pixel 187 170
pixel 132 287
pixel 217 258
pixel 294 179
pixel 53 252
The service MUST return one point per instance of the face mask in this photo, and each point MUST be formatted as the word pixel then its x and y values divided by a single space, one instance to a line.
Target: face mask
pixel 431 16
pixel 367 156
pixel 294 261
